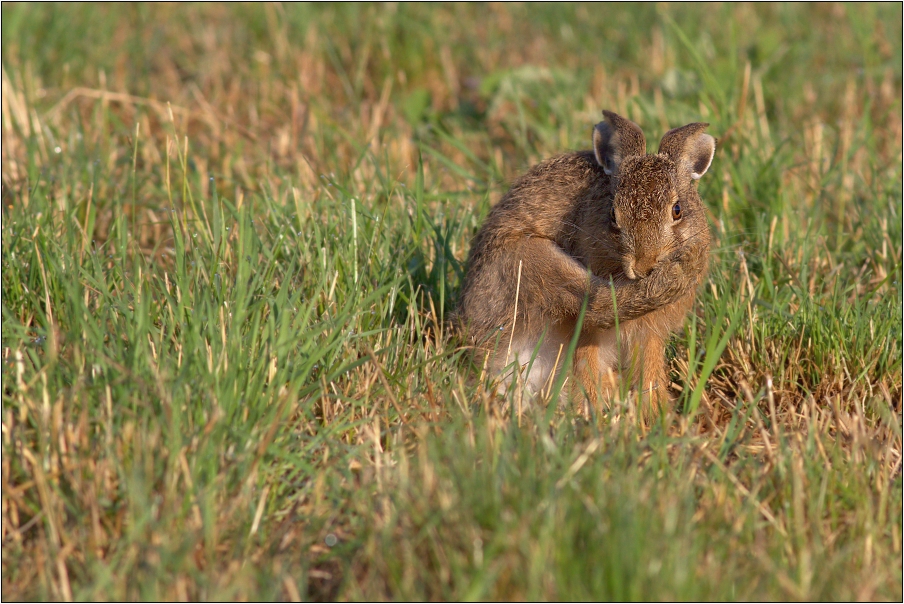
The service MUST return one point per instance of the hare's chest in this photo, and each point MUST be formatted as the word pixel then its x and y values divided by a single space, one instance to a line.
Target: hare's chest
pixel 538 357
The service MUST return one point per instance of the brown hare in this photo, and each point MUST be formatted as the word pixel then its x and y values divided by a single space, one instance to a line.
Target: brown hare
pixel 619 229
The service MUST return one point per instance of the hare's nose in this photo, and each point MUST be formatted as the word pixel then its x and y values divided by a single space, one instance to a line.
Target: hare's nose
pixel 635 268
pixel 643 265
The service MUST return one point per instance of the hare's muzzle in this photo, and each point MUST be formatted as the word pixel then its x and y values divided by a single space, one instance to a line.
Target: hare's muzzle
pixel 637 267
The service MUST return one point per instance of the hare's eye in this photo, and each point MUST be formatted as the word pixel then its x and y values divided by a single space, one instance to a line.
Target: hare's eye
pixel 676 211
pixel 612 217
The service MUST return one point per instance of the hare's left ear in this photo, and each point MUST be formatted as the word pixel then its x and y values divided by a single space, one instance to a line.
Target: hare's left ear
pixel 690 147
pixel 614 139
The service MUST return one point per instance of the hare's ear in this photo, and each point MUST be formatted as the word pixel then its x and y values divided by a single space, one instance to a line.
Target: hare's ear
pixel 691 147
pixel 615 139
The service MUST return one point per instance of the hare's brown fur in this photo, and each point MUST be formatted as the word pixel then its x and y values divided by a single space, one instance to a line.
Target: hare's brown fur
pixel 592 226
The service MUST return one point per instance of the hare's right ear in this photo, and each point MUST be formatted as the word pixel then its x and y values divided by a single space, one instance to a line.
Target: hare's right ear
pixel 690 147
pixel 615 139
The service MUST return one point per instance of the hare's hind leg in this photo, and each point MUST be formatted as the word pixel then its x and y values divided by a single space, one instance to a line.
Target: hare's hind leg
pixel 594 368
pixel 644 364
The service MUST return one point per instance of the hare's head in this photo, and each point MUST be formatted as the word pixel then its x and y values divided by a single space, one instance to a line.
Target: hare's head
pixel 655 206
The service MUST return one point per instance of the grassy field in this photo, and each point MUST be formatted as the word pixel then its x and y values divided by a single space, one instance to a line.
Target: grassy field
pixel 232 238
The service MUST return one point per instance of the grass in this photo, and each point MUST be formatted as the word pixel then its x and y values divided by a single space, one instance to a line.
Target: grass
pixel 232 237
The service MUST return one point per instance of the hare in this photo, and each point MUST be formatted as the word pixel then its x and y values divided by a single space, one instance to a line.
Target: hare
pixel 615 229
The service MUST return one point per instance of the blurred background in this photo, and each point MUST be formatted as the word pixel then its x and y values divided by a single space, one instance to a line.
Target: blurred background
pixel 273 92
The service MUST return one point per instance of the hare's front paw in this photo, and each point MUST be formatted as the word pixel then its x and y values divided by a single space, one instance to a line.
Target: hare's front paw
pixel 666 282
pixel 692 258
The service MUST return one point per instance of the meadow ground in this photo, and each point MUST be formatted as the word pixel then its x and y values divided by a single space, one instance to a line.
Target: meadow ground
pixel 232 237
